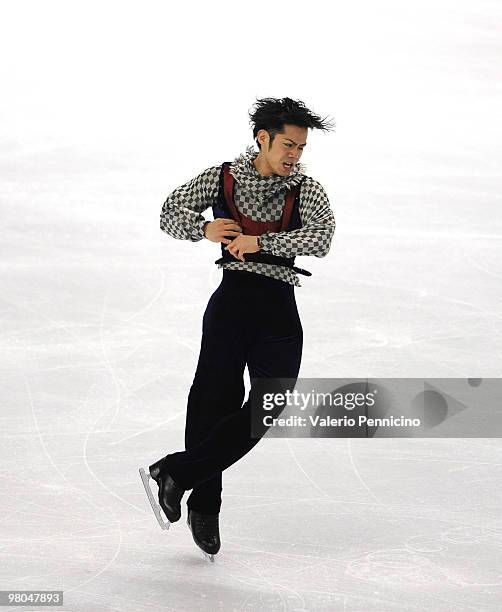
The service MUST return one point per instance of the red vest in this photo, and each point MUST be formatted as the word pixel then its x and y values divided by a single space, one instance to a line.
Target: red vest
pixel 290 220
pixel 256 228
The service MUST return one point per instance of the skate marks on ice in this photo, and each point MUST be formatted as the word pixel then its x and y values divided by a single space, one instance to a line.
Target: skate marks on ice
pixel 450 556
pixel 427 560
pixel 392 567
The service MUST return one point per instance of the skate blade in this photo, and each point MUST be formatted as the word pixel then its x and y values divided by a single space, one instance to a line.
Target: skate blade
pixel 155 506
pixel 208 556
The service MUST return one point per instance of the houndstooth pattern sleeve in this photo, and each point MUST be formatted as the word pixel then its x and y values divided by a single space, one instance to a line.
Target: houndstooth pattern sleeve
pixel 181 212
pixel 318 226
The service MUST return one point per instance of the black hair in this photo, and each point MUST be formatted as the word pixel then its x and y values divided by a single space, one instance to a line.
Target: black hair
pixel 272 114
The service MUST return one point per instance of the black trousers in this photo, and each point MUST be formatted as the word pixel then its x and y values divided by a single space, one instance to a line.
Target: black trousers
pixel 250 319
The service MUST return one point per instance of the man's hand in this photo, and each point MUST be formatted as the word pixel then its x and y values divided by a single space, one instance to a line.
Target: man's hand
pixel 219 228
pixel 243 244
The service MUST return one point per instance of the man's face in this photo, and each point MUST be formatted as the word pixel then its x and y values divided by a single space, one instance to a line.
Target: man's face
pixel 287 147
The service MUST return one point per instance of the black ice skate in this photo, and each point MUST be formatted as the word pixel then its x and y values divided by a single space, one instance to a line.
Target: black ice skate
pixel 205 532
pixel 170 494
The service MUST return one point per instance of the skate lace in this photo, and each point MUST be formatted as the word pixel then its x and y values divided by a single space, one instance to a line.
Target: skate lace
pixel 205 522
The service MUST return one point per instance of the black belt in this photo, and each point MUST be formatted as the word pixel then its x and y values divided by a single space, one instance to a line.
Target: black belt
pixel 263 258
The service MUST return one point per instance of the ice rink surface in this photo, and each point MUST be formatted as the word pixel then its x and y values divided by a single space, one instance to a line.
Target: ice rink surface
pixel 100 330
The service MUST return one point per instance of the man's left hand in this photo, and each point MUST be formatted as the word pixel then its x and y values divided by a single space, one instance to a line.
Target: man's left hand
pixel 243 244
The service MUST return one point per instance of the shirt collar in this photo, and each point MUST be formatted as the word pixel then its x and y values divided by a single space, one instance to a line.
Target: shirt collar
pixel 248 177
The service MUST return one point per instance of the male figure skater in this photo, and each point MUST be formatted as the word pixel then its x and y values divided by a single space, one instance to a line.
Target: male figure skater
pixel 266 211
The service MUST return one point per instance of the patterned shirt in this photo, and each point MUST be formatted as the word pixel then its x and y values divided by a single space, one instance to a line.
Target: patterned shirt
pixel 261 198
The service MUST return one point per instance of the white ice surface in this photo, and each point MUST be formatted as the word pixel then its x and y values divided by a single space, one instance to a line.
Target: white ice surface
pixel 101 318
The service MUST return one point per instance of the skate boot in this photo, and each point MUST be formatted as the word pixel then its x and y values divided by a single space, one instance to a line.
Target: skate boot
pixel 205 532
pixel 170 494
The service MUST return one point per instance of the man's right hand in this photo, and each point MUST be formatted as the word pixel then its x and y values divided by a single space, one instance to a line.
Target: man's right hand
pixel 219 228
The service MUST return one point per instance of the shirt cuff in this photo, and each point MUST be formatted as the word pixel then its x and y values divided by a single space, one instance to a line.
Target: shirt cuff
pixel 267 242
pixel 199 234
